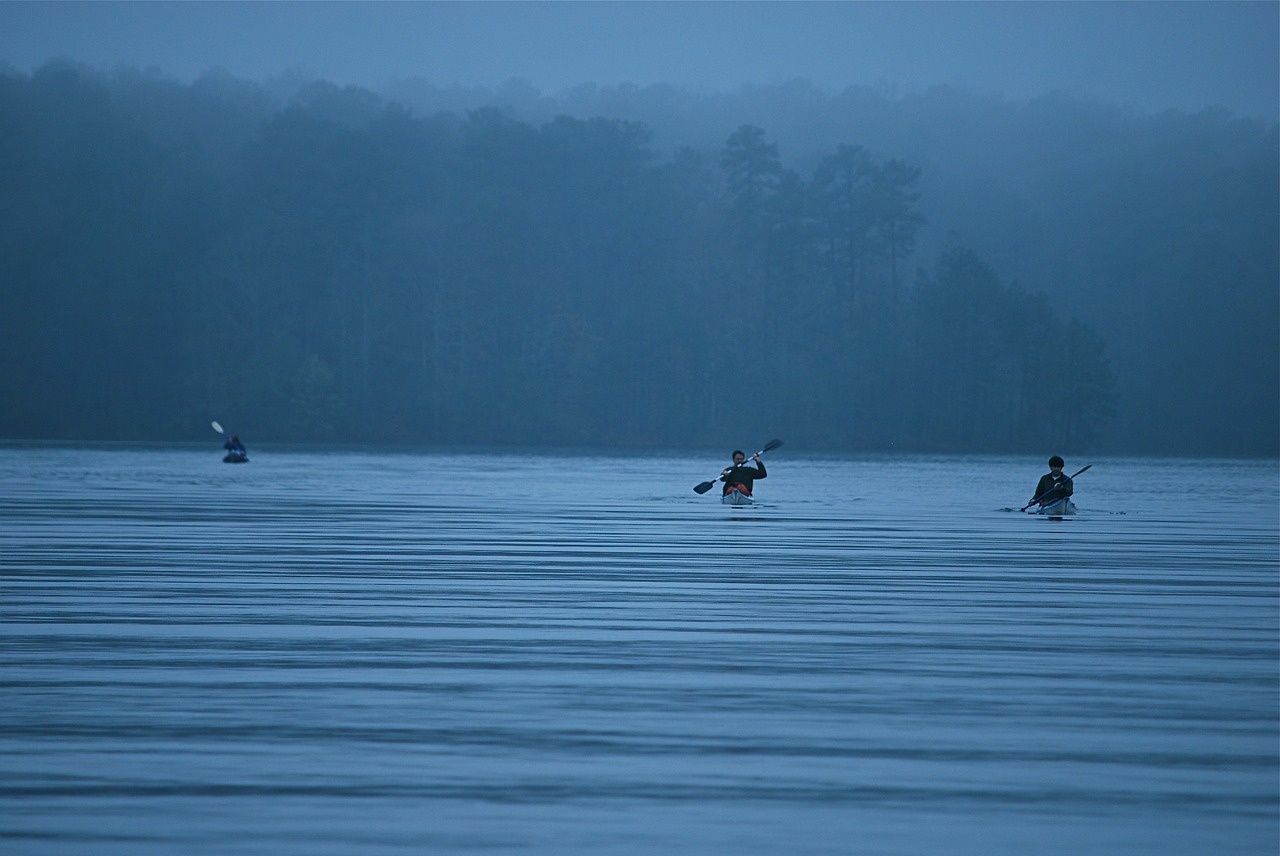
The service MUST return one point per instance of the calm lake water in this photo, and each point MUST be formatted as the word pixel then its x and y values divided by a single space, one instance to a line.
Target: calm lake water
pixel 396 653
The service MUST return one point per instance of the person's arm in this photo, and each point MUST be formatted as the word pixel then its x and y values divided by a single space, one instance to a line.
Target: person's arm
pixel 1042 489
pixel 760 470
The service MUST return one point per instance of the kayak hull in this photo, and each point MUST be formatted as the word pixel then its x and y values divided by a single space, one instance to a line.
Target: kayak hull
pixel 736 497
pixel 1058 508
pixel 231 458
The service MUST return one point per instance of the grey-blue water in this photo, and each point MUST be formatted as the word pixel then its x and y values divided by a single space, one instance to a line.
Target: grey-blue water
pixel 394 653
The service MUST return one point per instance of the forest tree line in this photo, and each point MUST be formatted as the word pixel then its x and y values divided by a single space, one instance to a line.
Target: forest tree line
pixel 335 268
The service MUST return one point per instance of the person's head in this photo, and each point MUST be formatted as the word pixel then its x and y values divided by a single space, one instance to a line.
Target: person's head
pixel 739 456
pixel 1056 463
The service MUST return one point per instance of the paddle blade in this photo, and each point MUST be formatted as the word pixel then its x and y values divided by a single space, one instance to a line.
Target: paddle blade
pixel 770 446
pixel 704 487
pixel 217 427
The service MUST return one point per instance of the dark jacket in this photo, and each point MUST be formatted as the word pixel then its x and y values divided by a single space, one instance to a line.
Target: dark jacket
pixel 743 476
pixel 1050 489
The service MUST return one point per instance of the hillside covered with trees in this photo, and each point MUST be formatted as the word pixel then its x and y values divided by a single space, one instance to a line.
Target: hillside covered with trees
pixel 336 265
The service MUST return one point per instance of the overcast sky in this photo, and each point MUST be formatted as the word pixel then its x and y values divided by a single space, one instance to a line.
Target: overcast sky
pixel 1149 54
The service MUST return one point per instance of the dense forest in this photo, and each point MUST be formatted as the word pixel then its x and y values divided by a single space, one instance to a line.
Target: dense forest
pixel 338 264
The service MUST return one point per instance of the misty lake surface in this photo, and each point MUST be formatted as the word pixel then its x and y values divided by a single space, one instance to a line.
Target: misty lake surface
pixel 395 652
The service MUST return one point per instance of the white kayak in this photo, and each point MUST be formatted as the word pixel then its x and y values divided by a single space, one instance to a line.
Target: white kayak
pixel 1057 508
pixel 736 497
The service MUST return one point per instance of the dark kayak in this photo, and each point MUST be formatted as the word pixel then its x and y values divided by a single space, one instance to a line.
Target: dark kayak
pixel 234 458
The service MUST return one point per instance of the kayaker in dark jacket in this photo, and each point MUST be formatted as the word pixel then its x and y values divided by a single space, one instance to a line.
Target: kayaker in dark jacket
pixel 1053 485
pixel 741 477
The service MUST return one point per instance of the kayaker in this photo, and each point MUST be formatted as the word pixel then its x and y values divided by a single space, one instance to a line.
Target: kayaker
pixel 1053 485
pixel 739 477
pixel 235 449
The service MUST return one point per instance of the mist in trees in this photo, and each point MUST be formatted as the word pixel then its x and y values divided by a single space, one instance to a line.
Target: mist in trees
pixel 337 266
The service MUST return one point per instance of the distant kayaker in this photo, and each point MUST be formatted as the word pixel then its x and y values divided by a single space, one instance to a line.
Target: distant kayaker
pixel 1053 485
pixel 739 477
pixel 235 451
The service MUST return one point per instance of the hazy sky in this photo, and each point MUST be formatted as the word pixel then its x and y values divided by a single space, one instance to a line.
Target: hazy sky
pixel 1147 53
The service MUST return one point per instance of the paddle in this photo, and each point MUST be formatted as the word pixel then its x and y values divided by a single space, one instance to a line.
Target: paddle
pixel 707 485
pixel 218 428
pixel 1050 490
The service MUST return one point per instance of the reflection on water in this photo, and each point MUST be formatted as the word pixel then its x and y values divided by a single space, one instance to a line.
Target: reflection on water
pixel 404 653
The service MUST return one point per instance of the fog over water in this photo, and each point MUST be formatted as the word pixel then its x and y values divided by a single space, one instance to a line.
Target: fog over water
pixel 1154 56
pixel 912 226
pixel 481 283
